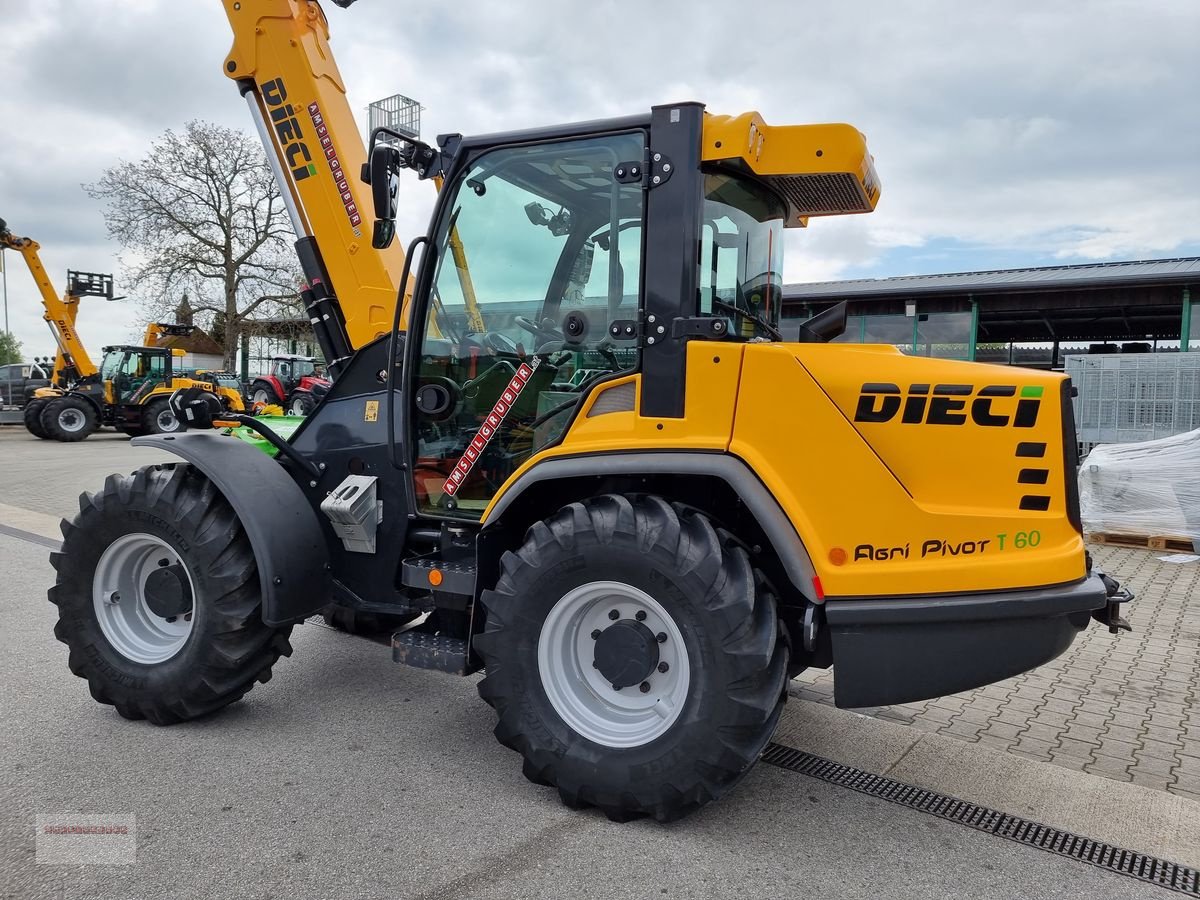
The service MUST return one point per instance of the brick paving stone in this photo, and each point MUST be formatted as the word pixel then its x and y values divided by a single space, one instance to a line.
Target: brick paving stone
pixel 975 716
pixel 1157 782
pixel 962 729
pixel 1036 747
pixel 936 714
pixel 1073 747
pixel 1189 765
pixel 1188 783
pixel 1052 719
pixel 1092 720
pixel 1110 767
pixel 1152 766
pixel 1055 705
pixel 1159 750
pixel 1043 732
pixel 1002 730
pixel 1083 733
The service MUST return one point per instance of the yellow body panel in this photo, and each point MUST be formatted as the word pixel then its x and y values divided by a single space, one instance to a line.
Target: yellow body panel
pixel 820 170
pixel 283 45
pixel 938 505
pixel 707 422
pixel 884 508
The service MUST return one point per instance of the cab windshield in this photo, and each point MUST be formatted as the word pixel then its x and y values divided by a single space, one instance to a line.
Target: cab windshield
pixel 741 255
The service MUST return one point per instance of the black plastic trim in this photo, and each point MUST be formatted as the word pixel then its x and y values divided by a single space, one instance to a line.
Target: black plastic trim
pixel 1086 594
pixel 670 265
pixel 788 545
pixel 293 560
pixel 1071 457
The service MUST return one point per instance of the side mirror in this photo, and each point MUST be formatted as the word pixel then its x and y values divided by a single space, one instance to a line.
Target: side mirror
pixel 384 178
pixel 824 327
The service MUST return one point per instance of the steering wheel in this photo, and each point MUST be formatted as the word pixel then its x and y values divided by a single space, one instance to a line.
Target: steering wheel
pixel 500 344
pixel 546 329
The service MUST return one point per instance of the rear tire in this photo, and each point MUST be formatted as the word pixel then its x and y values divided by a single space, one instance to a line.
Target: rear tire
pixel 33 417
pixel 301 404
pixel 262 392
pixel 69 419
pixel 159 418
pixel 715 621
pixel 183 670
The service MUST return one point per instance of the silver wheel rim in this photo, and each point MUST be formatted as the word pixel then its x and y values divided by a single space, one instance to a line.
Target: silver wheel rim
pixel 71 420
pixel 581 695
pixel 119 598
pixel 260 396
pixel 297 408
pixel 166 421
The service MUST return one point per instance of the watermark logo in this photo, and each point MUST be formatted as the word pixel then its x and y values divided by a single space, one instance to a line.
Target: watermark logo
pixel 74 839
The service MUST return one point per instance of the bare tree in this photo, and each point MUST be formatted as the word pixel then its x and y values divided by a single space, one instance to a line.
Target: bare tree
pixel 201 213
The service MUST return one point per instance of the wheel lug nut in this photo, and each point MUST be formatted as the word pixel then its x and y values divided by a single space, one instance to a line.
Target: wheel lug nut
pixel 595 634
pixel 645 687
pixel 663 667
pixel 640 615
pixel 614 615
pixel 661 637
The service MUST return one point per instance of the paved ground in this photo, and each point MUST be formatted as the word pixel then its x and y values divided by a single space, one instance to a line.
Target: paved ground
pixel 1124 707
pixel 349 776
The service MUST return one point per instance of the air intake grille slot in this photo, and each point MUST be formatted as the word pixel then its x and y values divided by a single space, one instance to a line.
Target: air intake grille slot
pixel 615 399
pixel 822 195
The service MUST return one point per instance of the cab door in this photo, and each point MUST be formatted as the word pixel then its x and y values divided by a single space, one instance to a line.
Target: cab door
pixel 537 253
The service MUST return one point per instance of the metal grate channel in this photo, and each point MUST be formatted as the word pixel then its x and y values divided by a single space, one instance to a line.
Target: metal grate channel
pixel 1053 840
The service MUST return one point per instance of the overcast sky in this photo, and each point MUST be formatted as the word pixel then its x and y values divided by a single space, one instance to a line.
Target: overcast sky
pixel 1005 134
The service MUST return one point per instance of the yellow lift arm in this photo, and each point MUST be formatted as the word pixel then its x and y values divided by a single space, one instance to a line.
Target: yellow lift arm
pixel 59 312
pixel 282 62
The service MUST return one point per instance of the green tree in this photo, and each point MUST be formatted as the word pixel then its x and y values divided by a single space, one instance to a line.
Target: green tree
pixel 10 348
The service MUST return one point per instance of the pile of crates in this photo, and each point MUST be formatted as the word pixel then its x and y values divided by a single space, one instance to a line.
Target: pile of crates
pixel 1136 397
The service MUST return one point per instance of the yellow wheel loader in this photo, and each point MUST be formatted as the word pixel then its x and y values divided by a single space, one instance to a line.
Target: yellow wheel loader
pixel 131 387
pixel 582 456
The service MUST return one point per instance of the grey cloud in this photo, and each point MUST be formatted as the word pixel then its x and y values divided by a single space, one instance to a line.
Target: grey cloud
pixel 1043 125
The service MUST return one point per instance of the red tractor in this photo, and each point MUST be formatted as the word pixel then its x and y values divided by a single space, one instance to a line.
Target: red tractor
pixel 297 383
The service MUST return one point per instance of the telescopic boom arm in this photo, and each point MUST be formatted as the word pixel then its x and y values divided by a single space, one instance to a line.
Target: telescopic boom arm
pixel 59 312
pixel 283 64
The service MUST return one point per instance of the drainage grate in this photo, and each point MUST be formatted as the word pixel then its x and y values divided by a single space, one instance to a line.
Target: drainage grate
pixel 1014 828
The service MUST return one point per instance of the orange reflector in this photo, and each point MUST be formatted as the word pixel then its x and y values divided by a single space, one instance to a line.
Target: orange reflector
pixel 837 556
pixel 435 577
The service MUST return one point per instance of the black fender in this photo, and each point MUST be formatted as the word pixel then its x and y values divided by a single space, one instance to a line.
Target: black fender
pixel 778 528
pixel 284 531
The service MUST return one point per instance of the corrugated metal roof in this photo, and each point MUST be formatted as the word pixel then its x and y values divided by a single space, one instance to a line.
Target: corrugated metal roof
pixel 1050 278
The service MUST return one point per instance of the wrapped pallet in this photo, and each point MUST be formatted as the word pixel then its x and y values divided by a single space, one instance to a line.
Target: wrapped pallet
pixel 1150 489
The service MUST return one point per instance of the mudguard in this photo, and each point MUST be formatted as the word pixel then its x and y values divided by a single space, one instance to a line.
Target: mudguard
pixel 289 547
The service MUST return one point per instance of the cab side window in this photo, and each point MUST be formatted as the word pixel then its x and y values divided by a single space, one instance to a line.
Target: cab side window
pixel 536 238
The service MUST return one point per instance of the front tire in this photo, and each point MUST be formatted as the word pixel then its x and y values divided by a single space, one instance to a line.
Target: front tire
pixel 32 416
pixel 69 419
pixel 159 418
pixel 124 615
pixel 578 691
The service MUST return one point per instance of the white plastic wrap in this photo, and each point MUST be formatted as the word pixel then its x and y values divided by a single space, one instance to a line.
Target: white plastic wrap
pixel 1150 488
